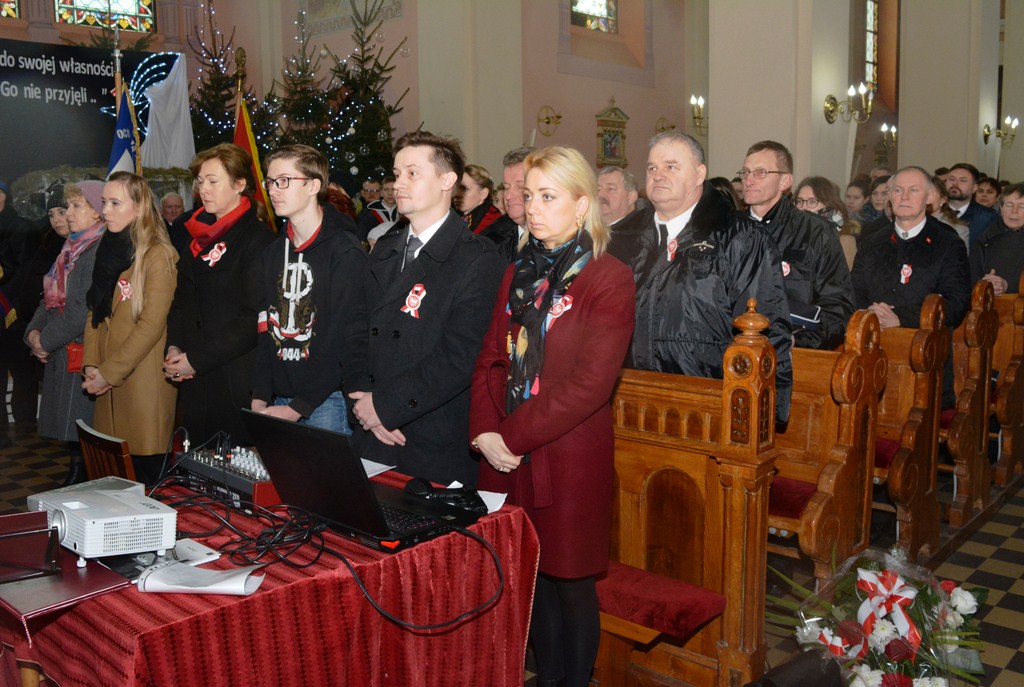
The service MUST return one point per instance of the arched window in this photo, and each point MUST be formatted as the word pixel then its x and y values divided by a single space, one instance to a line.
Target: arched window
pixel 127 15
pixel 596 15
pixel 9 9
pixel 871 44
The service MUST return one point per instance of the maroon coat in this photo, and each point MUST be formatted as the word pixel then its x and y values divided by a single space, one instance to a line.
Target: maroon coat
pixel 566 488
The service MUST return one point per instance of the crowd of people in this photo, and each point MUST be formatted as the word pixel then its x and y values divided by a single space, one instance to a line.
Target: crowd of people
pixel 461 327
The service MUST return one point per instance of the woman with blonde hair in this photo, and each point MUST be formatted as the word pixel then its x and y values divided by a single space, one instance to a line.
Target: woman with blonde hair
pixel 540 412
pixel 474 200
pixel 132 288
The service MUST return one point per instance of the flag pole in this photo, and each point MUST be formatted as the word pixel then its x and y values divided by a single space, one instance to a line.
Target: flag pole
pixel 117 60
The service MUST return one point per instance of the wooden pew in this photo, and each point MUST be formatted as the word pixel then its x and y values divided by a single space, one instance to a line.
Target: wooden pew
pixel 1009 397
pixel 693 460
pixel 908 425
pixel 966 433
pixel 822 491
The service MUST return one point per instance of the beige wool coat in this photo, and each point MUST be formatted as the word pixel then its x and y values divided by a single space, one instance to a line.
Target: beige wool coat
pixel 130 355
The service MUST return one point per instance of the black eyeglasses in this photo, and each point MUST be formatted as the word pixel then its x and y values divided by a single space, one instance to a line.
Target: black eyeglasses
pixel 757 173
pixel 282 182
pixel 809 203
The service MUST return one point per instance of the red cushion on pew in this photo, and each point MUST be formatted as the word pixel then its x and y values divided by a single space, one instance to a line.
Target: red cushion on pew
pixel 946 418
pixel 671 606
pixel 885 449
pixel 788 497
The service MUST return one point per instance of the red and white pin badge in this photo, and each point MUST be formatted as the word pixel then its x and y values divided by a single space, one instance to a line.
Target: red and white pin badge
pixel 216 253
pixel 905 273
pixel 413 300
pixel 558 309
pixel 785 268
pixel 671 249
pixel 126 289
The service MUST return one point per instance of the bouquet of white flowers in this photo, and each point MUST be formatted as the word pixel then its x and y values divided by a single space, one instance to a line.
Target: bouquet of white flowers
pixel 891 624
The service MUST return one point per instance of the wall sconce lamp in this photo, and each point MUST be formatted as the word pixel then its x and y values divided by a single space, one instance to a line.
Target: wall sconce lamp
pixel 1005 135
pixel 699 120
pixel 835 109
pixel 888 137
pixel 548 120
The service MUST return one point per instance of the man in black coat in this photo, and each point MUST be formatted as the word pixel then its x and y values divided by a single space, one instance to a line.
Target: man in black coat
pixel 813 266
pixel 18 242
pixel 430 292
pixel 916 255
pixel 507 230
pixel 697 266
pixel 961 183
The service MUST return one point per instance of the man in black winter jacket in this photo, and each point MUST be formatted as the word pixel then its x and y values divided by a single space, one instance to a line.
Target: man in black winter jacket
pixel 817 280
pixel 696 268
pixel 914 256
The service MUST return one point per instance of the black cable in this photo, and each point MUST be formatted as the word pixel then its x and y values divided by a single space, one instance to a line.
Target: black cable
pixel 447 623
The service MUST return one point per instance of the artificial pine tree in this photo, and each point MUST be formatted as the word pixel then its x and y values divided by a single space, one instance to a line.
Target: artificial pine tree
pixel 304 106
pixel 360 134
pixel 213 100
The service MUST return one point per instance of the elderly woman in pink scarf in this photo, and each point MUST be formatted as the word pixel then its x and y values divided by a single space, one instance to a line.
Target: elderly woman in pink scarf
pixel 55 332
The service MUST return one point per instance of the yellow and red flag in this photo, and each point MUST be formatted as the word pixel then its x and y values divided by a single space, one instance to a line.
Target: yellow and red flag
pixel 245 140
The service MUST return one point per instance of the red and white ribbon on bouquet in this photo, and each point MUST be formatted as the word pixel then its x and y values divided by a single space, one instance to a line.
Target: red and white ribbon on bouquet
pixel 887 595
pixel 840 646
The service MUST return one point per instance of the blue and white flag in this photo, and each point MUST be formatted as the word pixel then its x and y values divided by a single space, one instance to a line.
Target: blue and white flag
pixel 124 156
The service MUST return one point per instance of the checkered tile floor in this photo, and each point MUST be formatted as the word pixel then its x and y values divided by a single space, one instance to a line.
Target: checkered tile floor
pixel 992 557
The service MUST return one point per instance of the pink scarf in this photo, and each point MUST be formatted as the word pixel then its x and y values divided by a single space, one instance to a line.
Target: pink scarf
pixel 56 280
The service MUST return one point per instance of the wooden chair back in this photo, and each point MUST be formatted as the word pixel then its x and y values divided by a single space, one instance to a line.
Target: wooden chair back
pixel 967 433
pixel 104 455
pixel 693 460
pixel 828 446
pixel 908 413
pixel 1007 355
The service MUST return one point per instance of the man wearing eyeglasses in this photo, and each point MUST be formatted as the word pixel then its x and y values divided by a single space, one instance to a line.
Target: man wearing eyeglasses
pixel 698 263
pixel 312 325
pixel 812 263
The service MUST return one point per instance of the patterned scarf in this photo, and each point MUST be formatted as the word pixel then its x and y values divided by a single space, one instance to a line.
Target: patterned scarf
pixel 541 277
pixel 56 280
pixel 205 228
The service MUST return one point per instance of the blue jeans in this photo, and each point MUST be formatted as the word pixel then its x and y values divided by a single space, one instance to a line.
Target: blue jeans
pixel 332 414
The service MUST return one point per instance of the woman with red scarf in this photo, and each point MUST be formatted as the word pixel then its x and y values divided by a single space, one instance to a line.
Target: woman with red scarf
pixel 211 328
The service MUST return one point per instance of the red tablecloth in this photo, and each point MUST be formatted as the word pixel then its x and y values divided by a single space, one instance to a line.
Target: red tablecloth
pixel 305 626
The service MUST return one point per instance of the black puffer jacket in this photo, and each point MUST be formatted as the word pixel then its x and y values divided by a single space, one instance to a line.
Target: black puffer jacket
pixel 685 308
pixel 814 269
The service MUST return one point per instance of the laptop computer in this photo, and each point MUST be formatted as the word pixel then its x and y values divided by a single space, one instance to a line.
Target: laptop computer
pixel 316 470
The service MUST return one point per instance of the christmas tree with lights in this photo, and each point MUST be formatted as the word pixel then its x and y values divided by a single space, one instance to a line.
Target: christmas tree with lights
pixel 359 137
pixel 304 105
pixel 212 102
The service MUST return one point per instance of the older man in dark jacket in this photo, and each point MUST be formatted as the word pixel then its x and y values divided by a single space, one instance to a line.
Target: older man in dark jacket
pixel 697 266
pixel 817 279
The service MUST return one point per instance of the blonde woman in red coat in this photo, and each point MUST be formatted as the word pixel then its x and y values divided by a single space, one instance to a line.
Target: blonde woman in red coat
pixel 540 401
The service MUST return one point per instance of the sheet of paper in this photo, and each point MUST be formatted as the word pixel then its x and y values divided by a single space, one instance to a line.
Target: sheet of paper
pixel 175 577
pixel 373 469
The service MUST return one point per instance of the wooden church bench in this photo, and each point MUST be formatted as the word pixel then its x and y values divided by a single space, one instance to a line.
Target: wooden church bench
pixel 693 460
pixel 965 429
pixel 1008 400
pixel 907 427
pixel 822 490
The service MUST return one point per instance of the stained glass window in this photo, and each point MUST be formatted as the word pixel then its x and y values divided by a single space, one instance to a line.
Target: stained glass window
pixel 9 9
pixel 128 15
pixel 596 15
pixel 871 45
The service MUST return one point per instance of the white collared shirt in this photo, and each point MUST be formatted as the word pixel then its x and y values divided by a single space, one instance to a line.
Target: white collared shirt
pixel 907 234
pixel 677 223
pixel 425 235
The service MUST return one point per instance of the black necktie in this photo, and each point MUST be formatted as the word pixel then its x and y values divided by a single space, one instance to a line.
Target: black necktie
pixel 411 247
pixel 663 237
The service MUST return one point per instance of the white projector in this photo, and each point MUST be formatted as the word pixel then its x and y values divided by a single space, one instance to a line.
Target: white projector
pixel 109 483
pixel 109 523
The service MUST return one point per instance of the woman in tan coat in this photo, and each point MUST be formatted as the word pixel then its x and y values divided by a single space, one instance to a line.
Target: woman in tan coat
pixel 132 288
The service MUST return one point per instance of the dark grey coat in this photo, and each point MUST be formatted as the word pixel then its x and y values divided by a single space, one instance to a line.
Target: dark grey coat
pixel 63 400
